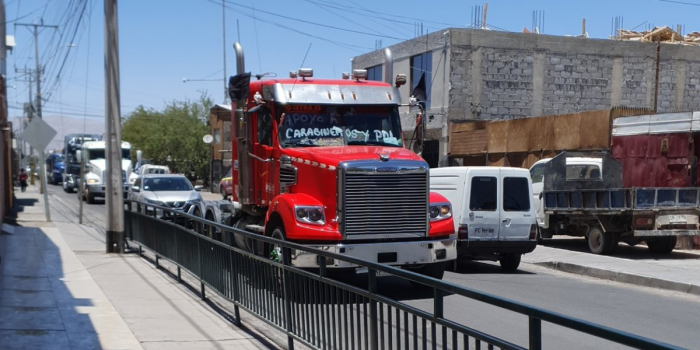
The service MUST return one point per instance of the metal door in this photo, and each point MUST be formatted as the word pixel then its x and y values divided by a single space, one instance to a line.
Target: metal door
pixel 517 214
pixel 483 216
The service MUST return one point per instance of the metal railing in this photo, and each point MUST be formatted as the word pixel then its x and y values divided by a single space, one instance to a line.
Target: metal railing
pixel 317 311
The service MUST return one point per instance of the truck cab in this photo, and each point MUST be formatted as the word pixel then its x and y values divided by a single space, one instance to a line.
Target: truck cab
pixel 54 168
pixel 94 154
pixel 493 210
pixel 577 169
pixel 322 162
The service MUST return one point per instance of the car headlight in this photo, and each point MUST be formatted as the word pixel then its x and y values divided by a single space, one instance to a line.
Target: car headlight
pixel 92 181
pixel 440 211
pixel 154 202
pixel 310 215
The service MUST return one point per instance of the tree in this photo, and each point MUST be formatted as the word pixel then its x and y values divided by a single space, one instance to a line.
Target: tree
pixel 173 136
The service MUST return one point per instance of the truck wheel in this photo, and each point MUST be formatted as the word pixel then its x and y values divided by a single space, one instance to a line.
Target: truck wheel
pixel 435 270
pixel 662 245
pixel 223 192
pixel 274 251
pixel 600 242
pixel 510 262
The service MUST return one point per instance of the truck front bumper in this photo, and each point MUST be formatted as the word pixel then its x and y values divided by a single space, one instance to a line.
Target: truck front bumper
pixel 98 190
pixel 390 253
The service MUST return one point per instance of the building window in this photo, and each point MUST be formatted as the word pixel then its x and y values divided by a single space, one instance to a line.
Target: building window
pixel 422 66
pixel 217 137
pixel 375 73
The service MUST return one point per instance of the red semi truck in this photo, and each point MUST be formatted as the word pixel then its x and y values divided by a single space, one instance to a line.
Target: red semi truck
pixel 322 162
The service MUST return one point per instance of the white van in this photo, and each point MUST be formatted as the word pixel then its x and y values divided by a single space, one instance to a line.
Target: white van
pixel 493 211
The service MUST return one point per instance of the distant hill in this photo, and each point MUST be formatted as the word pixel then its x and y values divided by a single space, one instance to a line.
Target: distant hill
pixel 70 125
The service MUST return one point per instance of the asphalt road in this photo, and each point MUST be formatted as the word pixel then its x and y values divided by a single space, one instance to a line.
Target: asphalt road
pixel 661 315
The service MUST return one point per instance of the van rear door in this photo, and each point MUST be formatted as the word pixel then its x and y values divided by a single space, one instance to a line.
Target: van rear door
pixel 483 216
pixel 516 205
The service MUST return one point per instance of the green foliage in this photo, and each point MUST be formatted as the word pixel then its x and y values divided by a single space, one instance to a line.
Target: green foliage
pixel 174 133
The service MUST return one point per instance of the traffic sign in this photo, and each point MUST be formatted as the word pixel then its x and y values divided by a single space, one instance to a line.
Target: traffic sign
pixel 38 134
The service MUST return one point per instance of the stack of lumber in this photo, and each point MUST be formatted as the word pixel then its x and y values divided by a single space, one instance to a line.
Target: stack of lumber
pixel 663 34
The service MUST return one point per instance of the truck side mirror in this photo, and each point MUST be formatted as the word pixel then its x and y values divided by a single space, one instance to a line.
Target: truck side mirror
pixel 198 188
pixel 139 156
pixel 78 155
pixel 540 195
pixel 135 189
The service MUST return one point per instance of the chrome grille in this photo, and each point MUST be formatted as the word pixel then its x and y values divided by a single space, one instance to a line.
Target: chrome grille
pixel 385 204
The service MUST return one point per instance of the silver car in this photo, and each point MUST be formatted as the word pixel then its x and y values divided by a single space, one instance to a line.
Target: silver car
pixel 166 190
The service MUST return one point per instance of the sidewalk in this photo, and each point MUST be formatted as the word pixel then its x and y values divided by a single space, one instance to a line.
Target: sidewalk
pixel 679 271
pixel 59 290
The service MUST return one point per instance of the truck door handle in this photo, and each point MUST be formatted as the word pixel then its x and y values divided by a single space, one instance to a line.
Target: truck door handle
pixel 505 220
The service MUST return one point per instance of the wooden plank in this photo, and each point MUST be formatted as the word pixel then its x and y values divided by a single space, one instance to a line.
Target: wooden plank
pixel 468 142
pixel 595 130
pixel 467 126
pixel 498 137
pixel 519 135
pixel 567 132
pixel 496 160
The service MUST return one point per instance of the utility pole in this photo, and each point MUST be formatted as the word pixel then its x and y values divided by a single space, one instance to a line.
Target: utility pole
pixel 114 191
pixel 28 115
pixel 42 166
pixel 223 21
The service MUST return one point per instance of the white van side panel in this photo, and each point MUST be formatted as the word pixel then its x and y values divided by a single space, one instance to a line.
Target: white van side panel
pixel 451 185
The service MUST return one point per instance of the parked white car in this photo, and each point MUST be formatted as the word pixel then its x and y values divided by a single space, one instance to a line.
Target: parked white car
pixel 493 211
pixel 168 190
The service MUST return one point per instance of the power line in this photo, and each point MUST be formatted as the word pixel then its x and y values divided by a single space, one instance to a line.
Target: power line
pixel 681 2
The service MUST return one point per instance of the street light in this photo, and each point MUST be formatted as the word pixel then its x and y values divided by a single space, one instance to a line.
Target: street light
pixel 184 80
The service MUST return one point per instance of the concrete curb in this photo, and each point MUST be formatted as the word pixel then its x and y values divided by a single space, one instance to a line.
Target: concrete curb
pixel 622 277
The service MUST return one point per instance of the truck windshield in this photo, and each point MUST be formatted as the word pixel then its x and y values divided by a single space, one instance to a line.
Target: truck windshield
pixel 323 125
pixel 100 154
pixel 582 172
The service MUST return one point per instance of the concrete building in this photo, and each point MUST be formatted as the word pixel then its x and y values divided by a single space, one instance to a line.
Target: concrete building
pixel 484 75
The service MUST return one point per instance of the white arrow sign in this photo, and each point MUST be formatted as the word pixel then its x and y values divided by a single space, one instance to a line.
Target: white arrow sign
pixel 38 134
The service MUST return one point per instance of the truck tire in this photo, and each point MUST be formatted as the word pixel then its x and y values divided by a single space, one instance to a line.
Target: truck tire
pixel 273 251
pixel 600 242
pixel 510 262
pixel 662 245
pixel 435 270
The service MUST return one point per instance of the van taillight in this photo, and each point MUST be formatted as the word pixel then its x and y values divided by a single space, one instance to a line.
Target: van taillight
pixel 533 231
pixel 463 232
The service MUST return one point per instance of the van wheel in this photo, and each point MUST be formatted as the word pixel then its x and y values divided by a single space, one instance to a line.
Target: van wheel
pixel 662 245
pixel 510 262
pixel 600 242
pixel 435 270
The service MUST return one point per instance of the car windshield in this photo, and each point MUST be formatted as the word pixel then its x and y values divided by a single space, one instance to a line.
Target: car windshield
pixel 100 154
pixel 155 184
pixel 322 125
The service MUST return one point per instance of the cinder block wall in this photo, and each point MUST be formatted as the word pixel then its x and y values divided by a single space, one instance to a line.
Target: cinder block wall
pixel 498 75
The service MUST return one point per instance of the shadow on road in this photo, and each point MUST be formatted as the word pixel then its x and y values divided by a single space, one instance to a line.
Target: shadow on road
pixel 623 250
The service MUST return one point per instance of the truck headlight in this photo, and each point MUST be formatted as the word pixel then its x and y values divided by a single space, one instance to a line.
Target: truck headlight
pixel 92 181
pixel 310 215
pixel 440 211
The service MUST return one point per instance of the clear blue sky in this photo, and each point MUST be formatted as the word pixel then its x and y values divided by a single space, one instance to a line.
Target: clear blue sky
pixel 162 42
